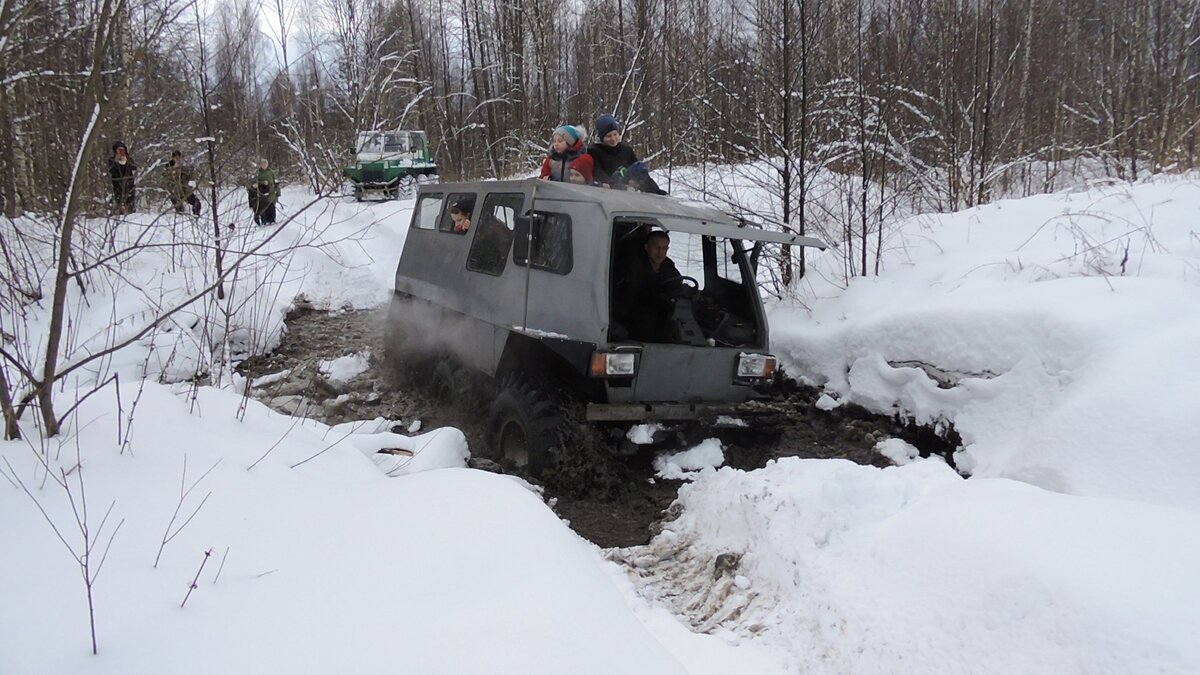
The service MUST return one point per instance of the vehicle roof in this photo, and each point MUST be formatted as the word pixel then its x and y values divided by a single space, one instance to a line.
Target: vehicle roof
pixel 615 201
pixel 673 213
pixel 370 132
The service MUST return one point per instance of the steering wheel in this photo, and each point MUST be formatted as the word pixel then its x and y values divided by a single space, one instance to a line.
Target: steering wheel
pixel 679 287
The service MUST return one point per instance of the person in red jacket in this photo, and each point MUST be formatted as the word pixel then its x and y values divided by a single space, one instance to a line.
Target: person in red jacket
pixel 565 145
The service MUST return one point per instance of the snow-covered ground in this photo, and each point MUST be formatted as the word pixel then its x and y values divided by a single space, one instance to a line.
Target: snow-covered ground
pixel 1061 331
pixel 1067 322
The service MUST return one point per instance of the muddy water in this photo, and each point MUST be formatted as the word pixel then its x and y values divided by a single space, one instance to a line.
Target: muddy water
pixel 632 503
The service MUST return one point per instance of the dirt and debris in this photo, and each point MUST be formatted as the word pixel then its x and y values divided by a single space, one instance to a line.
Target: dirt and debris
pixel 294 379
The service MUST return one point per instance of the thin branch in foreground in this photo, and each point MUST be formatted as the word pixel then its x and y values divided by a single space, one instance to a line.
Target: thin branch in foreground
pixel 192 586
pixel 184 491
pixel 222 566
pixel 83 554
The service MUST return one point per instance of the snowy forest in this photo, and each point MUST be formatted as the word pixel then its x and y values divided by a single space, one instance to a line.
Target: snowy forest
pixel 950 102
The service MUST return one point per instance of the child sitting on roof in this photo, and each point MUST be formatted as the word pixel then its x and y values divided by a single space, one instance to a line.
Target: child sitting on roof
pixel 581 170
pixel 565 145
pixel 616 164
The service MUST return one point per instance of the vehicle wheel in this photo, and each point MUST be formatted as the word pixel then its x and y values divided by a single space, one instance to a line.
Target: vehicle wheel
pixel 406 187
pixel 524 427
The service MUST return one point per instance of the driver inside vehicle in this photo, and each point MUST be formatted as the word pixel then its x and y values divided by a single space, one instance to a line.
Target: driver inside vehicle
pixel 650 286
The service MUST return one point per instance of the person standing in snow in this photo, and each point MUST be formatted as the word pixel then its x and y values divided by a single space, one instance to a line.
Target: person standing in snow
pixel 121 169
pixel 565 145
pixel 181 184
pixel 264 194
pixel 616 164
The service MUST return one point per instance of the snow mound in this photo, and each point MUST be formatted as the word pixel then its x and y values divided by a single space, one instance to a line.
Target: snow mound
pixel 345 368
pixel 709 454
pixel 900 452
pixel 857 569
pixel 1055 333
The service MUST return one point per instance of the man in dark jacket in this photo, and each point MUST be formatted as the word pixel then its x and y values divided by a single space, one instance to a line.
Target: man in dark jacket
pixel 645 295
pixel 121 169
pixel 615 164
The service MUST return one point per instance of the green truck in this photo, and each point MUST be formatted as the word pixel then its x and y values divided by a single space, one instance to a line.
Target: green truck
pixel 388 161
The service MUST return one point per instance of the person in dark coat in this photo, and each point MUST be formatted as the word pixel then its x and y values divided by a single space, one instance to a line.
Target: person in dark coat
pixel 565 145
pixel 181 184
pixel 121 169
pixel 616 165
pixel 645 295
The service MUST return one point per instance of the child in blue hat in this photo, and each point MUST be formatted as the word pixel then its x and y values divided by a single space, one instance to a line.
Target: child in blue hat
pixel 616 165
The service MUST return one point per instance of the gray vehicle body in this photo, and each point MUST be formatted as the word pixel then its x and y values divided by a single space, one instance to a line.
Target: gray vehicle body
pixel 503 317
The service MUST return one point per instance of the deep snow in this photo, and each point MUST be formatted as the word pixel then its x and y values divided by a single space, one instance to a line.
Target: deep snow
pixel 1074 376
pixel 1067 366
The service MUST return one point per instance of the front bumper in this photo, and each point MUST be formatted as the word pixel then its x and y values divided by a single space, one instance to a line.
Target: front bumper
pixel 637 413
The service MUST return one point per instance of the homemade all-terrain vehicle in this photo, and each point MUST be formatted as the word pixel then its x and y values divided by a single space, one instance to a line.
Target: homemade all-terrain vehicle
pixel 386 162
pixel 545 296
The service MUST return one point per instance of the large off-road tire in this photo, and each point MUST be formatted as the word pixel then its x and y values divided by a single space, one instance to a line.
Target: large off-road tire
pixel 524 427
pixel 548 438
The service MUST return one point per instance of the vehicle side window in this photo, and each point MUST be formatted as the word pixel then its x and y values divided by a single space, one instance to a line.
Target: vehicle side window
pixel 446 224
pixel 494 233
pixel 551 243
pixel 429 206
pixel 687 252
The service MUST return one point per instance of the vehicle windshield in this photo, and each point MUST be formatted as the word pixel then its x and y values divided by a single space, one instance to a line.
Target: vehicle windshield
pixel 395 142
pixel 369 142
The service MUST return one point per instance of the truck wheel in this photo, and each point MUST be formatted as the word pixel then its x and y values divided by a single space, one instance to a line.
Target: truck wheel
pixel 524 427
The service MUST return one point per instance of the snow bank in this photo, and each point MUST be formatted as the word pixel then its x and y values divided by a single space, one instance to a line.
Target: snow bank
pixel 853 569
pixel 1056 333
pixel 325 564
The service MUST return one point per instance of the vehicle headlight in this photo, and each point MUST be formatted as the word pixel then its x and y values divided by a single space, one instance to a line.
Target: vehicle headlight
pixel 614 364
pixel 755 366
